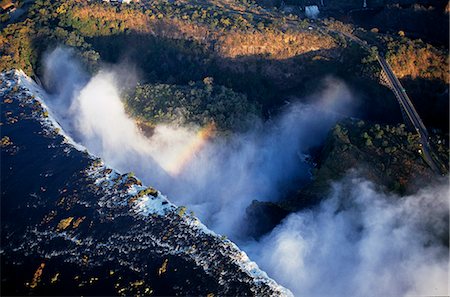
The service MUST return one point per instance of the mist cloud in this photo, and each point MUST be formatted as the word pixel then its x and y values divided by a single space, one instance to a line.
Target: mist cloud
pixel 222 178
pixel 358 242
pixel 361 242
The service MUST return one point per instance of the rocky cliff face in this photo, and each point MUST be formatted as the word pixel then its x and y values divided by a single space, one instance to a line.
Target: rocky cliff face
pixel 72 225
pixel 387 155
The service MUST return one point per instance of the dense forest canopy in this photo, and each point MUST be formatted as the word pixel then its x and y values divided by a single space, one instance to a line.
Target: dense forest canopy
pixel 263 54
pixel 198 103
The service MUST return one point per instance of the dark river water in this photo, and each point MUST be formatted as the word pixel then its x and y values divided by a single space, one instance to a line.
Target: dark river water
pixel 103 250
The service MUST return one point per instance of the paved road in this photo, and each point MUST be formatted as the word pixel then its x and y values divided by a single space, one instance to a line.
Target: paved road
pixel 410 112
pixel 405 104
pixel 403 98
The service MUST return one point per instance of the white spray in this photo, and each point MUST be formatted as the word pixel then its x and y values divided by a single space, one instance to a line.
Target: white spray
pixel 359 242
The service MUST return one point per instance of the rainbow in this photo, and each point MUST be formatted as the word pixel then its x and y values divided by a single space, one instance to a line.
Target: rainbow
pixel 177 165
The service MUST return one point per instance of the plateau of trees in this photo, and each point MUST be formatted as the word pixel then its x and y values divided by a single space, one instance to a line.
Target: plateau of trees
pixel 263 55
pixel 199 103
